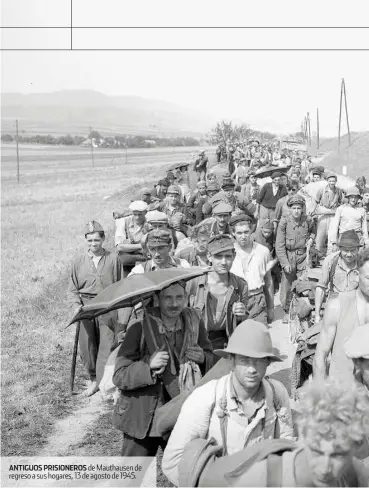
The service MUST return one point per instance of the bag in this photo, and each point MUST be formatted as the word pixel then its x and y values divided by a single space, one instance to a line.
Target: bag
pixel 106 385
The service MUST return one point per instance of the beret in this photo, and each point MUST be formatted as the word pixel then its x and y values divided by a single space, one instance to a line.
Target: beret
pixel 276 174
pixel 241 218
pixel 220 243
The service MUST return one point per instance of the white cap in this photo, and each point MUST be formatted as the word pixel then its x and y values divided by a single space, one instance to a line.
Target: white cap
pixel 138 206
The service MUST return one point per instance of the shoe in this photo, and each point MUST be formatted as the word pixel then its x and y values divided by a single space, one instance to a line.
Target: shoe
pixel 286 318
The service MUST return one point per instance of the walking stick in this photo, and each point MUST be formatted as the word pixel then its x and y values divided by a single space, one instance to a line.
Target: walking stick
pixel 74 359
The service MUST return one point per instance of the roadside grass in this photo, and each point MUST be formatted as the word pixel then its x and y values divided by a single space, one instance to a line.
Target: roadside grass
pixel 42 227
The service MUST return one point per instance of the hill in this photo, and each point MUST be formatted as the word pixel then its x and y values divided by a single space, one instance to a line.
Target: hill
pixel 75 110
pixel 354 156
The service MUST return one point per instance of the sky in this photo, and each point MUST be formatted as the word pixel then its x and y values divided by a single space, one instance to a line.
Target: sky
pixel 270 90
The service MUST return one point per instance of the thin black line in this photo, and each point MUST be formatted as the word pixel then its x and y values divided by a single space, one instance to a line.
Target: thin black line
pixel 184 49
pixel 180 27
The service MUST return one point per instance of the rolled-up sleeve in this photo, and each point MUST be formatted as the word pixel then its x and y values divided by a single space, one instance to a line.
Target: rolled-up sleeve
pixel 193 422
pixel 324 277
pixel 120 232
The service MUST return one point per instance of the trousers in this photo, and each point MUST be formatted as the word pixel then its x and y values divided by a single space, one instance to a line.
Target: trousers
pixel 298 264
pixel 146 447
pixel 257 308
pixel 266 214
pixel 201 175
pixel 96 339
pixel 324 222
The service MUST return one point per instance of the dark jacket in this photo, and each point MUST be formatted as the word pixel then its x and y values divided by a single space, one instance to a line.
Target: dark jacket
pixel 266 197
pixel 134 411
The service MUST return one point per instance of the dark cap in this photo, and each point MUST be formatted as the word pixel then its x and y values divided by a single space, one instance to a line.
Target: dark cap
pixel 276 174
pixel 220 243
pixel 296 200
pixel 92 227
pixel 228 183
pixel 159 237
pixel 236 219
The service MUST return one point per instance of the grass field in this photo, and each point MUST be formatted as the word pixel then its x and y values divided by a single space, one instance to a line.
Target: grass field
pixel 43 219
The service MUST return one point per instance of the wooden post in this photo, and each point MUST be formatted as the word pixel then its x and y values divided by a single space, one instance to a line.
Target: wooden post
pixel 317 130
pixel 347 119
pixel 92 149
pixel 17 137
pixel 339 122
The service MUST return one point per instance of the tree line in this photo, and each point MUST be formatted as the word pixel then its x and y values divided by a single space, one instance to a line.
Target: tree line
pixel 118 141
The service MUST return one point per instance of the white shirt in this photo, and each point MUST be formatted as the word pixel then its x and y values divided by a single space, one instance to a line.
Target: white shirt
pixel 252 266
pixel 139 268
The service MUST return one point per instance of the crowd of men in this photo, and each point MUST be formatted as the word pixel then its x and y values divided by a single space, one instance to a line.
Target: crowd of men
pixel 191 364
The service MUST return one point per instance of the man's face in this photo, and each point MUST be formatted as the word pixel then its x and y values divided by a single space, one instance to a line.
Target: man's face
pixel 201 244
pixel 242 233
pixel 222 261
pixel 316 177
pixel 249 372
pixel 138 217
pixel 283 180
pixel 296 211
pixel 294 176
pixel 353 200
pixel 164 190
pixel 266 232
pixel 332 183
pixel 94 242
pixel 360 185
pixel 364 278
pixel 362 367
pixel 327 460
pixel 222 219
pixel 172 301
pixel 173 198
pixel 211 193
pixel 202 191
pixel 228 191
pixel 276 181
pixel 146 197
pixel 159 254
pixel 349 254
pixel 292 191
pixel 252 179
pixel 211 177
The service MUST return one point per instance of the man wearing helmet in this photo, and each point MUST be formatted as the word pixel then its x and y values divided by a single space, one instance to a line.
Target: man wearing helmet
pixel 295 235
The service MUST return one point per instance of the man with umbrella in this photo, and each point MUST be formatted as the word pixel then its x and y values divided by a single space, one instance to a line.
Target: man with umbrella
pixel 268 197
pixel 93 270
pixel 151 365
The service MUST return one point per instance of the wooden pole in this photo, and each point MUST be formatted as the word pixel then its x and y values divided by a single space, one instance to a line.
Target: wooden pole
pixel 339 122
pixel 92 149
pixel 309 128
pixel 17 141
pixel 347 118
pixel 317 129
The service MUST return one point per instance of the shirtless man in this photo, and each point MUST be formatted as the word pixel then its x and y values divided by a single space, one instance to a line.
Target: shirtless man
pixel 343 313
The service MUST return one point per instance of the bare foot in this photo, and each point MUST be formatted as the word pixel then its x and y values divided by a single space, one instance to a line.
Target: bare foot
pixel 91 389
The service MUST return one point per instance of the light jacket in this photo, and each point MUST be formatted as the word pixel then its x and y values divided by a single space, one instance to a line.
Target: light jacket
pixel 199 418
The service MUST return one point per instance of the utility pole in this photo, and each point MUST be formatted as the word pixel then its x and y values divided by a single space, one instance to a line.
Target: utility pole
pixel 339 121
pixel 308 128
pixel 347 119
pixel 317 129
pixel 92 149
pixel 17 137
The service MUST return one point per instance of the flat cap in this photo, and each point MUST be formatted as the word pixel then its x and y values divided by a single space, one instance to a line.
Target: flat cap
pixel 220 243
pixel 357 345
pixel 174 189
pixel 276 174
pixel 201 184
pixel 296 200
pixel 228 182
pixel 159 237
pixel 331 175
pixel 156 216
pixel 138 206
pixel 146 191
pixel 349 239
pixel 236 219
pixel 92 227
pixel 222 208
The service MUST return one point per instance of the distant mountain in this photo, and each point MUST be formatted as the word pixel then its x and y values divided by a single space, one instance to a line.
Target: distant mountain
pixel 79 109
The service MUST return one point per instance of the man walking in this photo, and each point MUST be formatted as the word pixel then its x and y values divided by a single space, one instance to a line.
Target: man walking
pixel 343 313
pixel 220 296
pixel 339 270
pixel 93 270
pixel 149 367
pixel 295 235
pixel 252 263
pixel 268 197
pixel 201 166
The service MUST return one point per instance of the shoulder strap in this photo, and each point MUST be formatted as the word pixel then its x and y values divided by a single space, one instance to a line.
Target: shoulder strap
pixel 147 266
pixel 332 271
pixel 274 470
